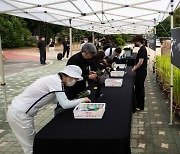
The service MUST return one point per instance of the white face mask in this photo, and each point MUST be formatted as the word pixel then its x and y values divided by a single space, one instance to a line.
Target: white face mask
pixel 70 84
pixel 85 41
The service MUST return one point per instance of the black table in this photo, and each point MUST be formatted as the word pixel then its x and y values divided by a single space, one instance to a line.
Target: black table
pixel 130 61
pixel 110 135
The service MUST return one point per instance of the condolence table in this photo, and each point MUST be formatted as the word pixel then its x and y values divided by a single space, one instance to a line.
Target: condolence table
pixel 130 61
pixel 111 134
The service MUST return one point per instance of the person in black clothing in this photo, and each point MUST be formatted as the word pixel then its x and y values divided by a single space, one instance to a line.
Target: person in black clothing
pixel 42 50
pixel 82 59
pixel 141 72
pixel 96 44
pixel 66 47
pixel 99 61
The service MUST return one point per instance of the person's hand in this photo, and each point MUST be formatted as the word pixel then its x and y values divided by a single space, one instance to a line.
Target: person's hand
pixel 87 100
pixel 92 72
pixel 93 76
pixel 134 70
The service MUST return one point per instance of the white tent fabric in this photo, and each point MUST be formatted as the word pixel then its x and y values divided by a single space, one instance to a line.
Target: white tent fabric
pixel 102 16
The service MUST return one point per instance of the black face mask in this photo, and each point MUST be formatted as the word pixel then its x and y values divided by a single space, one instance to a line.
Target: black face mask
pixel 136 45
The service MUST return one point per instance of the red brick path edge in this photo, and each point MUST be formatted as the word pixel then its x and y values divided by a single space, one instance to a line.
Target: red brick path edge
pixel 14 55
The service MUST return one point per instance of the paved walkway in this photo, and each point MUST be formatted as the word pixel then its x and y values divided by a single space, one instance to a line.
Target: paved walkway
pixel 16 83
pixel 150 134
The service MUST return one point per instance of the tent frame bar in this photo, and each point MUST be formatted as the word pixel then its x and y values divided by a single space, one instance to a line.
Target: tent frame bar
pixel 172 69
pixel 3 82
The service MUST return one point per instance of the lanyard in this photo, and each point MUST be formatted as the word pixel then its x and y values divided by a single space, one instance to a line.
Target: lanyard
pixel 46 95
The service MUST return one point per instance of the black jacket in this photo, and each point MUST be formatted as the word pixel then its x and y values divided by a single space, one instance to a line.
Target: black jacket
pixel 84 64
pixel 66 44
pixel 80 86
pixel 42 46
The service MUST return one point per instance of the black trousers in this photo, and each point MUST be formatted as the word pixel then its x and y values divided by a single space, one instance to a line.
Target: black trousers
pixel 66 51
pixel 42 57
pixel 139 88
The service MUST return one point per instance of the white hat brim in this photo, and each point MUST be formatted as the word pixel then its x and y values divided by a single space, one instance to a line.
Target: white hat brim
pixel 70 74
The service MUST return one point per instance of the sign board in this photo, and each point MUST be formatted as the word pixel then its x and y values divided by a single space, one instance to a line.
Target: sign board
pixel 175 47
pixel 152 41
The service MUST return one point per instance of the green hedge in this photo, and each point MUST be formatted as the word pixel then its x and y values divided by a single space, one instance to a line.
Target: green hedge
pixel 163 64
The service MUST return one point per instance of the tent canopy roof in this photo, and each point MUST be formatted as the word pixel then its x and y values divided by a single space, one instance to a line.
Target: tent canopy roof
pixel 102 16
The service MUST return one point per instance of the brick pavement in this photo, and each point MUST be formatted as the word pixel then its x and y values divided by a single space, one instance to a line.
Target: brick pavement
pixel 150 133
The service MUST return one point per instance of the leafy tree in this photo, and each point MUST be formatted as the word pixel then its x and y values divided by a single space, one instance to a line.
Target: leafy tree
pixel 117 39
pixel 13 31
pixel 177 18
pixel 164 28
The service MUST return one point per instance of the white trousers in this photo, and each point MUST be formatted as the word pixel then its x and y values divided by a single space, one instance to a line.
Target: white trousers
pixel 22 126
pixel 52 52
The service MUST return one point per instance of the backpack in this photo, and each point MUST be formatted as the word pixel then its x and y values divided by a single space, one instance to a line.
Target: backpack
pixel 59 56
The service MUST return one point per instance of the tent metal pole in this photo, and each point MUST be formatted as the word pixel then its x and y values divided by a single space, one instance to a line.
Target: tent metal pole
pixel 93 38
pixel 70 39
pixel 155 46
pixel 171 98
pixel 3 83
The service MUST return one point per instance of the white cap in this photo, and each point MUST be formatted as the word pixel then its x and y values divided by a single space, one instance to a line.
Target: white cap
pixel 73 71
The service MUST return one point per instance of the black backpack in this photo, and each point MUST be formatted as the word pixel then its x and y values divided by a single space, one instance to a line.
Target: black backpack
pixel 59 56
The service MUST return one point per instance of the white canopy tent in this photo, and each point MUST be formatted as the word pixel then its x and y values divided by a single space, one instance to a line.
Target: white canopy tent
pixel 101 16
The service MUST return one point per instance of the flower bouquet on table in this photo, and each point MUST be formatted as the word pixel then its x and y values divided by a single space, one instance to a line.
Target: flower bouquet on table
pixel 102 75
pixel 84 94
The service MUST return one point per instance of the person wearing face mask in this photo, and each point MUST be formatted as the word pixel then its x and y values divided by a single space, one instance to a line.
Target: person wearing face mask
pixel 85 40
pixel 140 69
pixel 83 60
pixel 43 91
pixel 42 50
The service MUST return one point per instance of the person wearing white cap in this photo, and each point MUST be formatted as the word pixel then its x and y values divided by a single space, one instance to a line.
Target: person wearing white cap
pixel 43 91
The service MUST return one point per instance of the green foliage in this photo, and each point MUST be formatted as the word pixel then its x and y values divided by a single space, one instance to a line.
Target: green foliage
pixel 13 31
pixel 84 94
pixel 127 37
pixel 163 71
pixel 164 28
pixel 117 39
pixel 120 41
pixel 177 18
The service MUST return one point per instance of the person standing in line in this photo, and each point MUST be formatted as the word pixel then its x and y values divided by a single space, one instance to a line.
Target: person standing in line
pixel 96 44
pixel 52 48
pixel 85 40
pixel 140 69
pixel 42 50
pixel 66 47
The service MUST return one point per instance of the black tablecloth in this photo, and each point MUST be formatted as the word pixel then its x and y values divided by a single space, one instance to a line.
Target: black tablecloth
pixel 111 134
pixel 130 61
